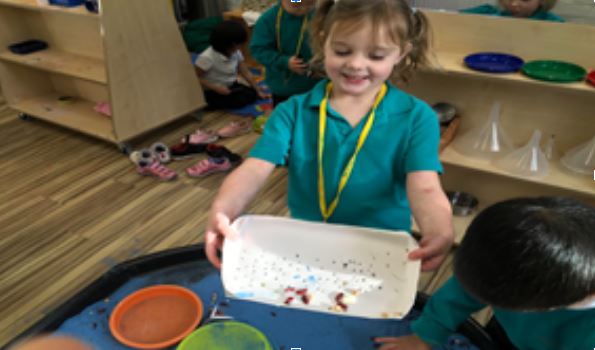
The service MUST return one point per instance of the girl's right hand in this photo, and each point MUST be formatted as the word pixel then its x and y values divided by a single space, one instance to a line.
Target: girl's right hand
pixel 218 229
pixel 297 65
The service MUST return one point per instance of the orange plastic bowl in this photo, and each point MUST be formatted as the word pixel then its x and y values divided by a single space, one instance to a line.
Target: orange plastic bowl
pixel 156 317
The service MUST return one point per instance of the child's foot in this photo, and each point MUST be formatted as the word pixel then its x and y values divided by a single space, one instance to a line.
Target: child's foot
pixel 235 128
pixel 209 166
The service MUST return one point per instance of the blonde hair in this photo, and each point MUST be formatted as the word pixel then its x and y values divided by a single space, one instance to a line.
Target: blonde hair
pixel 546 5
pixel 405 25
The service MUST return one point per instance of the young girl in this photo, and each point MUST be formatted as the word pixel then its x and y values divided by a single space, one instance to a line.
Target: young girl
pixel 533 9
pixel 361 152
pixel 280 42
pixel 218 66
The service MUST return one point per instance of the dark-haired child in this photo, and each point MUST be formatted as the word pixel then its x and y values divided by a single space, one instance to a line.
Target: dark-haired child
pixel 219 65
pixel 533 261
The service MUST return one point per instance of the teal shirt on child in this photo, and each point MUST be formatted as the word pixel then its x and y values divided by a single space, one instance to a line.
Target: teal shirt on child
pixel 562 329
pixel 496 11
pixel 263 47
pixel 404 138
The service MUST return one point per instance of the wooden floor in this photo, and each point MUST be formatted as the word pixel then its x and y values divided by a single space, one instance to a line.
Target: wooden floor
pixel 72 206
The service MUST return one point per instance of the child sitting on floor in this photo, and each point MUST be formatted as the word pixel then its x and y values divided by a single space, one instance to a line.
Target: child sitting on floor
pixel 219 65
pixel 533 9
pixel 533 261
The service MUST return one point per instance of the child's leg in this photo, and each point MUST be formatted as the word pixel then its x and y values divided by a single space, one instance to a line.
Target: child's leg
pixel 241 95
pixel 216 100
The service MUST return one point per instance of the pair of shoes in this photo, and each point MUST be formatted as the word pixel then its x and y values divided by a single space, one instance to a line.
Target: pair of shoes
pixel 187 149
pixel 235 128
pixel 209 166
pixel 218 151
pixel 147 164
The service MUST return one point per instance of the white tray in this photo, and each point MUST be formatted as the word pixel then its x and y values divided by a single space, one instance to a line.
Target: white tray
pixel 369 266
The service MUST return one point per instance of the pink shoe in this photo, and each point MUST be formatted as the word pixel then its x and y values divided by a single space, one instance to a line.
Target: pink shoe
pixel 209 166
pixel 235 128
pixel 156 169
pixel 201 136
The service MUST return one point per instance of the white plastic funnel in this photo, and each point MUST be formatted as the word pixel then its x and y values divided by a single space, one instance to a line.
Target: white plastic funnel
pixel 528 160
pixel 488 141
pixel 581 159
pixel 366 270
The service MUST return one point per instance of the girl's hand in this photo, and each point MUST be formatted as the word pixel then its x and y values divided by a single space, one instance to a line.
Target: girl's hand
pixel 297 65
pixel 433 249
pixel 408 342
pixel 218 229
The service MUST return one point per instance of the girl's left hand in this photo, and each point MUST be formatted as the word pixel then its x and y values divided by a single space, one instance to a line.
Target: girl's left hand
pixel 408 342
pixel 433 249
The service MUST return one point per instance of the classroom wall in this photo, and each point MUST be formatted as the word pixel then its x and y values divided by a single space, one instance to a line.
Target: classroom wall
pixel 579 11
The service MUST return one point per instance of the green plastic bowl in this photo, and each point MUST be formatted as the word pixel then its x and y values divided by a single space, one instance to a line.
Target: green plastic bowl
pixel 555 71
pixel 228 335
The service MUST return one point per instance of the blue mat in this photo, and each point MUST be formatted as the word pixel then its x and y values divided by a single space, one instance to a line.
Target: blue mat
pixel 284 327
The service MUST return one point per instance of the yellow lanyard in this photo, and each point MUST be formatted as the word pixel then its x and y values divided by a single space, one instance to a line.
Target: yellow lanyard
pixel 302 32
pixel 327 212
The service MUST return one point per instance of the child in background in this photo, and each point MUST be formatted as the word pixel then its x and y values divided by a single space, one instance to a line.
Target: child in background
pixel 533 261
pixel 219 65
pixel 533 9
pixel 361 152
pixel 280 42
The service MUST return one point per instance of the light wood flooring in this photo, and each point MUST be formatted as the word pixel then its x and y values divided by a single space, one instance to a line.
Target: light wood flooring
pixel 71 207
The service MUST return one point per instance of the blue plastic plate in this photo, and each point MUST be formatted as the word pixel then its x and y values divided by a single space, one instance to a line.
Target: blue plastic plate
pixel 494 62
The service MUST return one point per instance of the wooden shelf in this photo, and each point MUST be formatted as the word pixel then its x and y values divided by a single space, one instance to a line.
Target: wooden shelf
pixel 557 177
pixel 36 6
pixel 77 114
pixel 453 63
pixel 54 61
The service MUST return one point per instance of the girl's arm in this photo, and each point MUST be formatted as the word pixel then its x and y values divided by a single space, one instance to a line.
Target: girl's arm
pixel 223 90
pixel 245 73
pixel 433 214
pixel 236 192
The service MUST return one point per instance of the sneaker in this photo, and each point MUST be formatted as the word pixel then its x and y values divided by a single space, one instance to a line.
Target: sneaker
pixel 201 136
pixel 209 166
pixel 218 151
pixel 161 152
pixel 156 169
pixel 143 155
pixel 186 149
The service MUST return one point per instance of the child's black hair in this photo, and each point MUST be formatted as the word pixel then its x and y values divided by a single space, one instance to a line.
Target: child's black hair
pixel 529 254
pixel 226 35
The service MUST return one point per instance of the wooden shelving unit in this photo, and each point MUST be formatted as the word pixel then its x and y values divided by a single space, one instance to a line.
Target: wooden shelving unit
pixel 131 55
pixel 565 110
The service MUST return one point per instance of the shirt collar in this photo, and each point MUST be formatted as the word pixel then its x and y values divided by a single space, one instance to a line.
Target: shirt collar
pixel 395 101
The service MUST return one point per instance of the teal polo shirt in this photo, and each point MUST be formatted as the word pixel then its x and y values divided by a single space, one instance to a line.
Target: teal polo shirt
pixel 403 139
pixel 492 10
pixel 562 329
